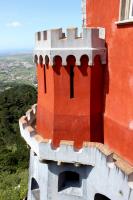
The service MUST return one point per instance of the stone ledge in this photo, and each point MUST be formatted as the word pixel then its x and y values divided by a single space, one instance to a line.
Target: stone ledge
pixel 124 22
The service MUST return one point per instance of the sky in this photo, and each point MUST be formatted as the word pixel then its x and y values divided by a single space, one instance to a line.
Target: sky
pixel 20 19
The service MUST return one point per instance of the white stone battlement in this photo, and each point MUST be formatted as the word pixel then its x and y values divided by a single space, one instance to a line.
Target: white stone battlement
pixel 55 38
pixel 54 42
pixel 31 114
pixel 85 156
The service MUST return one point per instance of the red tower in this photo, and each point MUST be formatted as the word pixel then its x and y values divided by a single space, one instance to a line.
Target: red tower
pixel 70 86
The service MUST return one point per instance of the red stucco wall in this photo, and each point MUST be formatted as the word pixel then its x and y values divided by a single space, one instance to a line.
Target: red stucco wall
pixel 77 119
pixel 118 116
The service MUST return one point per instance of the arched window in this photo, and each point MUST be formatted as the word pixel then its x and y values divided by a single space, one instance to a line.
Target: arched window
pixel 35 190
pixel 100 197
pixel 35 59
pixel 68 179
pixel 40 60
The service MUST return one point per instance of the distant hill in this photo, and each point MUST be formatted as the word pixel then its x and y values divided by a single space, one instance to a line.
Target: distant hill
pixel 16 69
pixel 15 52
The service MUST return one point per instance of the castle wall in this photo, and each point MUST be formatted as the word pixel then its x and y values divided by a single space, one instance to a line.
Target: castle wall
pixel 45 117
pixel 118 117
pixel 39 172
pixel 97 179
pixel 68 173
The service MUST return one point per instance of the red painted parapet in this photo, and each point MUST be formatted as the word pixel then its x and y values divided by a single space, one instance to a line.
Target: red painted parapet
pixel 70 95
pixel 87 154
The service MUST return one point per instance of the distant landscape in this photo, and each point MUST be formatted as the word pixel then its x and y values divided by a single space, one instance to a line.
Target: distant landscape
pixel 17 94
pixel 16 69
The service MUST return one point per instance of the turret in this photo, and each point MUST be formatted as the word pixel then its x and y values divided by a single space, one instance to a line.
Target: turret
pixel 70 73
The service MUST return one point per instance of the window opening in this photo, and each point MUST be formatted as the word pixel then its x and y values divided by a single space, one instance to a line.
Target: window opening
pixel 101 197
pixel 35 189
pixel 34 184
pixel 45 83
pixel 126 10
pixel 71 81
pixel 131 9
pixel 68 179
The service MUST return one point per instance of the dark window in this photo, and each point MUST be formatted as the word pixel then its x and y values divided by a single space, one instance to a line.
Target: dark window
pixel 71 81
pixel 35 189
pixel 41 60
pixel 101 197
pixel 68 179
pixel 34 184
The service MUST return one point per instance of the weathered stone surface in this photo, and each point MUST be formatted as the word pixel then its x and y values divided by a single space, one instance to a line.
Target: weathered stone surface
pixel 92 179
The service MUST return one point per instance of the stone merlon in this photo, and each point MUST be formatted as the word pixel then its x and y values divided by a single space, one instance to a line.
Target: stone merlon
pixel 51 43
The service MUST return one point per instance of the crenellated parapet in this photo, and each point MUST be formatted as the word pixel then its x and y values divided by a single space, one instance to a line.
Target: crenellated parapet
pixel 89 154
pixel 55 42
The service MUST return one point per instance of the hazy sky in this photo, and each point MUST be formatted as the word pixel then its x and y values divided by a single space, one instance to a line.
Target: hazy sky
pixel 20 19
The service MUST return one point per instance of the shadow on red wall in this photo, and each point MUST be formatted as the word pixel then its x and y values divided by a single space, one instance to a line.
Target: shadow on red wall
pixel 99 90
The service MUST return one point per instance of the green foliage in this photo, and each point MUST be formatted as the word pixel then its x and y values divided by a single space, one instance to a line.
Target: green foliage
pixel 13 186
pixel 14 154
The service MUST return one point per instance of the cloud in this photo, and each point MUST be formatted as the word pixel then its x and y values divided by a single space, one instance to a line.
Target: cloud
pixel 14 24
